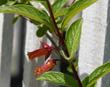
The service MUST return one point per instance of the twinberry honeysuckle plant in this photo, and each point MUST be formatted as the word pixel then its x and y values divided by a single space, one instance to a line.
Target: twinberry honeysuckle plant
pixel 53 19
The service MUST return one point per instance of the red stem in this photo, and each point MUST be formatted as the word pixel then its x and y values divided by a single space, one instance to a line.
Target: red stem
pixel 53 19
pixel 60 39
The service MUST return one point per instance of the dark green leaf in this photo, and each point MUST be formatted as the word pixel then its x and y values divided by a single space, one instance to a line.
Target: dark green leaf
pixel 41 31
pixel 11 2
pixel 57 6
pixel 98 73
pixel 24 1
pixel 73 37
pixel 26 11
pixel 58 78
pixel 61 12
pixel 75 9
pixel 40 0
pixel 3 2
pixel 94 85
pixel 85 81
pixel 34 22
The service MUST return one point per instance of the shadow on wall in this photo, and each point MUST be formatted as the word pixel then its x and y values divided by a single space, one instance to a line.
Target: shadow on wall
pixel 18 53
pixel 106 79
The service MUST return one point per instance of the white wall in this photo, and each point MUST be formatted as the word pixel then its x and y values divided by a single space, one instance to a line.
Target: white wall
pixel 92 45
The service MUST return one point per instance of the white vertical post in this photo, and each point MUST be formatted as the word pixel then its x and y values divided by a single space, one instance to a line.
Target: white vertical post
pixel 6 51
pixel 93 38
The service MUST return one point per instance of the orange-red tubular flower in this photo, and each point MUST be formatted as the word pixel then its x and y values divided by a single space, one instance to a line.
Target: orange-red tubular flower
pixel 49 65
pixel 38 53
pixel 45 51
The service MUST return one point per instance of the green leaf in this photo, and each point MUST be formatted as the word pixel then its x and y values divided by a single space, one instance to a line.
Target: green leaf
pixel 85 82
pixel 41 31
pixel 3 2
pixel 58 78
pixel 24 1
pixel 98 73
pixel 73 37
pixel 61 12
pixel 94 85
pixel 34 22
pixel 57 6
pixel 43 2
pixel 11 2
pixel 40 0
pixel 75 9
pixel 26 11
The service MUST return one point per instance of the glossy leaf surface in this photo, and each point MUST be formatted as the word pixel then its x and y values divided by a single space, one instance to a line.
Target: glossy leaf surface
pixel 26 11
pixel 75 9
pixel 58 5
pixel 41 31
pixel 98 73
pixel 58 78
pixel 61 12
pixel 73 37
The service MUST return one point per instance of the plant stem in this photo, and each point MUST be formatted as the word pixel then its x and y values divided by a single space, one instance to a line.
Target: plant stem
pixel 55 45
pixel 53 19
pixel 61 39
pixel 50 38
pixel 76 76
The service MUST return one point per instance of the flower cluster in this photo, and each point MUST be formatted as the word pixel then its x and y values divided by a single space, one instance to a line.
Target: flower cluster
pixel 49 62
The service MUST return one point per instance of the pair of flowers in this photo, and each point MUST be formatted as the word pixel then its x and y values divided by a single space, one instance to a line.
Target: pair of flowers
pixel 49 62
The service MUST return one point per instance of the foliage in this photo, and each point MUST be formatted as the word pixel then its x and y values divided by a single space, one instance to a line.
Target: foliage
pixel 58 78
pixel 53 19
pixel 96 74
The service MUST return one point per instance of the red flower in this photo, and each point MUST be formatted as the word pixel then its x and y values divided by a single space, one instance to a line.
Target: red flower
pixel 49 65
pixel 44 51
